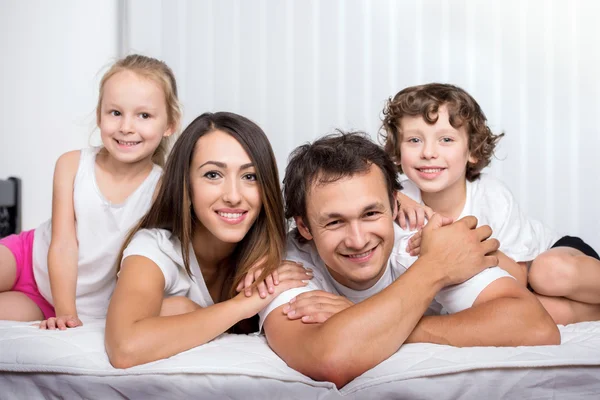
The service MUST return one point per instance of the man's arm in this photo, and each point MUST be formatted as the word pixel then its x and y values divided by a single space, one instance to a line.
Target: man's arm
pixel 358 338
pixel 504 314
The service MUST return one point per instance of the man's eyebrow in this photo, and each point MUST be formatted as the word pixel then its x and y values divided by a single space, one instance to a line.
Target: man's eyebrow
pixel 334 215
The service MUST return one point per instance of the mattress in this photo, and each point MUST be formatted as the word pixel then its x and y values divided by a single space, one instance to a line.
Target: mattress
pixel 73 364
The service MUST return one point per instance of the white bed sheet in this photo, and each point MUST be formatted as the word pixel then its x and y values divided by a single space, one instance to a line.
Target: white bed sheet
pixel 73 364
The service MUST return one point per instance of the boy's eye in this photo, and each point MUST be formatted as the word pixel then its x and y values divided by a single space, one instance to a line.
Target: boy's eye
pixel 212 175
pixel 447 140
pixel 115 113
pixel 250 177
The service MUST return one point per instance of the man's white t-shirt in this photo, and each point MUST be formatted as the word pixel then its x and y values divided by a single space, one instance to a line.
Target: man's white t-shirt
pixel 164 249
pixel 521 238
pixel 452 298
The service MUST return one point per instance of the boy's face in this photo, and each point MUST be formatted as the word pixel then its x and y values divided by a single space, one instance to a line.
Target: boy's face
pixel 434 156
pixel 352 226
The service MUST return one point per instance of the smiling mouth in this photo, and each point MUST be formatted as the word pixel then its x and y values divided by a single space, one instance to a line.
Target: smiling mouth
pixel 430 170
pixel 232 218
pixel 361 256
pixel 230 215
pixel 128 144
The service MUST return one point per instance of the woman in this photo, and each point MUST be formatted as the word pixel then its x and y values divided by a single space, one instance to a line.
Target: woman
pixel 217 219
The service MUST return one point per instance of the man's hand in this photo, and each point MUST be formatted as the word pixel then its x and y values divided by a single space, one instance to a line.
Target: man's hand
pixel 460 250
pixel 316 306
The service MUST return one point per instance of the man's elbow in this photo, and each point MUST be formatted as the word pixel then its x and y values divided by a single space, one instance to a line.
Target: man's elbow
pixel 121 354
pixel 546 333
pixel 338 369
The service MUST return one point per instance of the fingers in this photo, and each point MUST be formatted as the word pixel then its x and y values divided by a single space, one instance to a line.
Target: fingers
pixel 269 283
pixel 60 324
pixel 248 282
pixel 483 232
pixel 43 324
pixel 275 275
pixel 491 260
pixel 428 212
pixel 420 218
pixel 412 219
pixel 470 221
pixel 73 322
pixel 315 306
pixel 402 220
pixel 490 246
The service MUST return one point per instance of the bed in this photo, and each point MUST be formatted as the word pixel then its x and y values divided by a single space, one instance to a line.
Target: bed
pixel 73 364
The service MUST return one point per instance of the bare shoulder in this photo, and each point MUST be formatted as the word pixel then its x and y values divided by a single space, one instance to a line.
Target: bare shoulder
pixel 68 162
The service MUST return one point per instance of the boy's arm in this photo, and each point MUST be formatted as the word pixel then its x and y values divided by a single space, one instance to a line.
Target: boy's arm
pixel 504 314
pixel 63 253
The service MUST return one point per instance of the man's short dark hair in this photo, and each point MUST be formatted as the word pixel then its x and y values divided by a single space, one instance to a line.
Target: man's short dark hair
pixel 330 159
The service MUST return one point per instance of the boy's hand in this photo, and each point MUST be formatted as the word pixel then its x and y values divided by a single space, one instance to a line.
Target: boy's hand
pixel 412 215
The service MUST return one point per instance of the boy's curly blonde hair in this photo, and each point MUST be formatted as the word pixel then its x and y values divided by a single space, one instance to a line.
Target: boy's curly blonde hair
pixel 425 101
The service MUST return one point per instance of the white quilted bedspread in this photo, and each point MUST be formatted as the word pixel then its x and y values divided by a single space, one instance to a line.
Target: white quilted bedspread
pixel 80 352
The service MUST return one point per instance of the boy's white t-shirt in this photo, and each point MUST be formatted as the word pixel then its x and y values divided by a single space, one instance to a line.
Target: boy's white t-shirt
pixel 521 238
pixel 452 298
pixel 164 249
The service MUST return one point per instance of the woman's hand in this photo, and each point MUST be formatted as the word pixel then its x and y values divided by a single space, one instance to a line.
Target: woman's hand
pixel 316 306
pixel 61 322
pixel 290 275
pixel 411 214
pixel 264 287
pixel 177 305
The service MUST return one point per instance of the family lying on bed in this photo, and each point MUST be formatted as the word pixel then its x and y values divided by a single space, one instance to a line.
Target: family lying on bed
pixel 201 247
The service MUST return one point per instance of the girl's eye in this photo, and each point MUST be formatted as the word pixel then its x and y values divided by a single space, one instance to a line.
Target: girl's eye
pixel 115 113
pixel 447 140
pixel 413 140
pixel 145 115
pixel 250 177
pixel 212 175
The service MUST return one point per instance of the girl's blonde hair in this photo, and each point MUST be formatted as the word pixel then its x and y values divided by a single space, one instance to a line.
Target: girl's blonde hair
pixel 159 72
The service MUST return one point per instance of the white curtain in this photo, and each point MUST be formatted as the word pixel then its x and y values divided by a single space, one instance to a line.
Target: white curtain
pixel 303 68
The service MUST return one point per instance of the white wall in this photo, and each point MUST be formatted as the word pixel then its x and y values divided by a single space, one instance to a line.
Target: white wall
pixel 52 56
pixel 302 68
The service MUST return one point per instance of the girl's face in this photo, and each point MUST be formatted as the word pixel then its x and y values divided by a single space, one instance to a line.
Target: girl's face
pixel 434 156
pixel 225 193
pixel 133 117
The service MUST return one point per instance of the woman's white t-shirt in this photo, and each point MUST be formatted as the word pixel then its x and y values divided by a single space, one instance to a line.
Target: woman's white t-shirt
pixel 164 249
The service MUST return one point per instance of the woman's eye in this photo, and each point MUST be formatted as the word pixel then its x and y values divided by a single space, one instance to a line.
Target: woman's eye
pixel 212 175
pixel 115 113
pixel 145 115
pixel 250 177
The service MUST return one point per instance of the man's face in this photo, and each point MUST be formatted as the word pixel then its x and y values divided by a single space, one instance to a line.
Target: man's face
pixel 352 225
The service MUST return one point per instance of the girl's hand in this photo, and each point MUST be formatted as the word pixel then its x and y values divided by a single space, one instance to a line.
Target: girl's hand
pixel 414 244
pixel 177 305
pixel 290 275
pixel 61 322
pixel 316 306
pixel 411 214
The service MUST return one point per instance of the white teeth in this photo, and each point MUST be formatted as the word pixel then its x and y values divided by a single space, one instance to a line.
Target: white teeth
pixel 430 170
pixel 230 215
pixel 124 143
pixel 360 255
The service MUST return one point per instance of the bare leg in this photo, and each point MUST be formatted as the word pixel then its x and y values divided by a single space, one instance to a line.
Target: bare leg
pixel 565 311
pixel 16 306
pixel 8 269
pixel 566 272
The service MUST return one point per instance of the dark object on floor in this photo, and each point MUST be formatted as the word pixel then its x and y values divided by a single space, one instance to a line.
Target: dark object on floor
pixel 10 206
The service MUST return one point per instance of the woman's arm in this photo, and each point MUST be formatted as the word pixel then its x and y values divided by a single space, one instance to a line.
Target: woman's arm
pixel 63 253
pixel 136 334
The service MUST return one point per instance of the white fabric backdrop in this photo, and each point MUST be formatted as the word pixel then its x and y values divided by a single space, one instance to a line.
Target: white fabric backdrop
pixel 302 68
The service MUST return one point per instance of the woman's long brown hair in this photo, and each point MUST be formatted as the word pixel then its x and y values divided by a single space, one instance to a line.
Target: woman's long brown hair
pixel 172 207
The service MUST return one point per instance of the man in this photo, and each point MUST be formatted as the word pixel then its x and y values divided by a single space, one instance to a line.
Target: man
pixel 363 303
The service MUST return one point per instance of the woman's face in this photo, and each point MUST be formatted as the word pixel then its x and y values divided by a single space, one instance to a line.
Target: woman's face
pixel 225 193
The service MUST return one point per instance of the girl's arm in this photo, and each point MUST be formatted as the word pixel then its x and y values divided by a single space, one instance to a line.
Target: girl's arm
pixel 411 215
pixel 63 253
pixel 136 334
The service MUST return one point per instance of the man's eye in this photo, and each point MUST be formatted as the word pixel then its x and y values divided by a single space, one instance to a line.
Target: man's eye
pixel 372 214
pixel 333 223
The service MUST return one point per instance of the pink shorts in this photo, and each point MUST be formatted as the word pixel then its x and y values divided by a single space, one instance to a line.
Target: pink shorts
pixel 21 246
